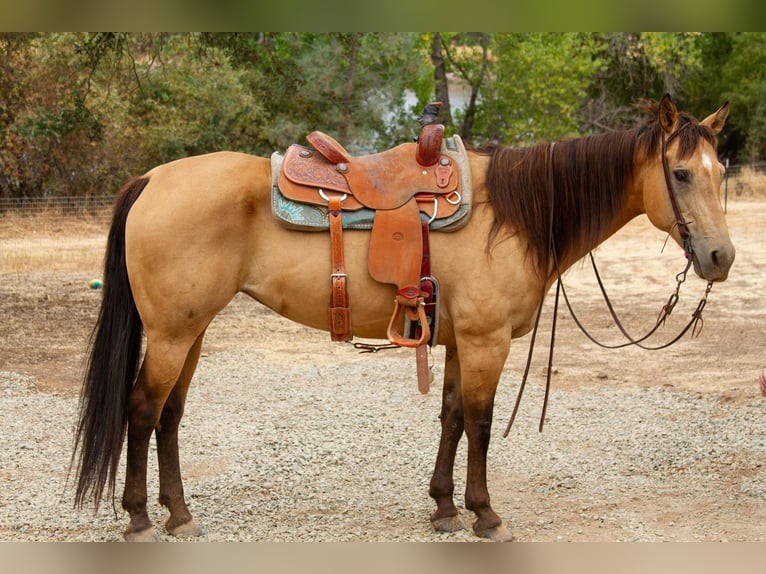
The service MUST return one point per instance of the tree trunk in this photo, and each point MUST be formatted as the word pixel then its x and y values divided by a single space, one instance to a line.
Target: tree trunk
pixel 470 112
pixel 440 79
pixel 352 52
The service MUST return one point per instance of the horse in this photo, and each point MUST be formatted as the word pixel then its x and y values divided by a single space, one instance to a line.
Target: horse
pixel 188 235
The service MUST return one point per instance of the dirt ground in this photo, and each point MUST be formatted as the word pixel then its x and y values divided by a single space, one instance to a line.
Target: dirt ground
pixel 47 311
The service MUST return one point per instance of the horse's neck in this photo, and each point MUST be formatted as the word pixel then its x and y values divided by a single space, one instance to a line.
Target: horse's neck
pixel 631 208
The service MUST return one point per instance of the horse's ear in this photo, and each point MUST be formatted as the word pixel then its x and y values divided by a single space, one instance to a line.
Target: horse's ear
pixel 667 113
pixel 717 119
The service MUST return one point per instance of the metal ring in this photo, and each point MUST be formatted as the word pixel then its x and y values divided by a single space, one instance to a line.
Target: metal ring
pixel 436 208
pixel 327 199
pixel 455 202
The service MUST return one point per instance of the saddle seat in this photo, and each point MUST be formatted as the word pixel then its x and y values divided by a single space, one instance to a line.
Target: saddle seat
pixel 407 187
pixel 382 181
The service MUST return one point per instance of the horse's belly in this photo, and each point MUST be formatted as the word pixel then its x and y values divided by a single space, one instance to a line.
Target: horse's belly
pixel 295 282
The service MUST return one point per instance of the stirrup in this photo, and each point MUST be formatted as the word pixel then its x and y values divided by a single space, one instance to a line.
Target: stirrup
pixel 397 338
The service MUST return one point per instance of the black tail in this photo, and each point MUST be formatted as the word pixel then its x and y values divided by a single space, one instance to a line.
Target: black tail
pixel 115 352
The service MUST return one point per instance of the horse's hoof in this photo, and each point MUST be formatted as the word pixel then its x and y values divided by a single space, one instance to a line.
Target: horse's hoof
pixel 448 524
pixel 185 530
pixel 497 533
pixel 147 535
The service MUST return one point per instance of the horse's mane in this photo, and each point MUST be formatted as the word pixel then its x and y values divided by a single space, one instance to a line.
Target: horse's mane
pixel 591 176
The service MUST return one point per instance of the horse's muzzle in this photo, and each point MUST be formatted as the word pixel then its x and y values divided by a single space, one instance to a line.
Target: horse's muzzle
pixel 712 263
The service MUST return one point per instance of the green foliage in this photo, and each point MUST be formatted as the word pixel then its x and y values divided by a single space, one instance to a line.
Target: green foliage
pixel 188 106
pixel 94 109
pixel 744 81
pixel 351 85
pixel 47 128
pixel 637 65
pixel 540 82
pixel 81 112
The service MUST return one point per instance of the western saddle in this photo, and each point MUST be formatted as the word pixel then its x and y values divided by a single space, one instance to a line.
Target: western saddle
pixel 405 189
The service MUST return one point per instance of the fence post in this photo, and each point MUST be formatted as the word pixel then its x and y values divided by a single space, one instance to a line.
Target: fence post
pixel 726 187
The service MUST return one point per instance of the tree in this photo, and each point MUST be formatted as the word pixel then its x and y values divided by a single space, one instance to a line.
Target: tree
pixel 14 57
pixel 539 83
pixel 744 81
pixel 90 110
pixel 637 65
pixel 706 88
pixel 351 85
pixel 441 82
pixel 81 112
pixel 46 127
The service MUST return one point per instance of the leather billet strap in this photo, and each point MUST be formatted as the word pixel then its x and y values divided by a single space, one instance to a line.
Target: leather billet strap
pixel 340 314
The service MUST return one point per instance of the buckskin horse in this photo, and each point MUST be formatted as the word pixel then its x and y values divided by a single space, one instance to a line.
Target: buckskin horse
pixel 190 234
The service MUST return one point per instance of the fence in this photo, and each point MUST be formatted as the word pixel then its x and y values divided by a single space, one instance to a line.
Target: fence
pixel 90 205
pixel 741 180
pixel 735 170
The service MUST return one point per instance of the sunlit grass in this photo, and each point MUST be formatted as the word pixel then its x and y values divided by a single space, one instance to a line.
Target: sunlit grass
pixel 746 184
pixel 32 243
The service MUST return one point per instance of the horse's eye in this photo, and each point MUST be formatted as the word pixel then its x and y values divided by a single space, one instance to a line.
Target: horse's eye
pixel 681 175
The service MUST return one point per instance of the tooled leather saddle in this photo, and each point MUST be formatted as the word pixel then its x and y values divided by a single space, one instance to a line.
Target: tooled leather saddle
pixel 406 190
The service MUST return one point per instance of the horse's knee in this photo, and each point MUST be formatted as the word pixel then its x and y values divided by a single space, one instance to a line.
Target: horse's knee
pixel 479 431
pixel 171 415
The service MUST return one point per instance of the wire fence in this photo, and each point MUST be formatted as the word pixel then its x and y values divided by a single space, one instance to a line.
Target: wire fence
pixel 744 181
pixel 88 205
pixel 741 181
pixel 44 213
pixel 736 169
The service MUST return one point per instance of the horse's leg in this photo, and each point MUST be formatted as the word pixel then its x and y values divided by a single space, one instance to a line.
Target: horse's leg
pixel 159 372
pixel 446 518
pixel 481 363
pixel 180 522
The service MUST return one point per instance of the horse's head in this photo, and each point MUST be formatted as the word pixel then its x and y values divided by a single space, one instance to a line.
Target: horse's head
pixel 682 186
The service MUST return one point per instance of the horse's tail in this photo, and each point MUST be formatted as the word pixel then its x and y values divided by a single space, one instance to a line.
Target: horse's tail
pixel 115 350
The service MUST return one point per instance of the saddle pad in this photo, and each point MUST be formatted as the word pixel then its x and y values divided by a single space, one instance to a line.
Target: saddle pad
pixel 315 217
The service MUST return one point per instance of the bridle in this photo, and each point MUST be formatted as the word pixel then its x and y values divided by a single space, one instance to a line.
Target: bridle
pixel 681 225
pixel 695 324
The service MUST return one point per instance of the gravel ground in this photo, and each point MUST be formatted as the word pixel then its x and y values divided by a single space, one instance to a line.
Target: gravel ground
pixel 288 437
pixel 343 451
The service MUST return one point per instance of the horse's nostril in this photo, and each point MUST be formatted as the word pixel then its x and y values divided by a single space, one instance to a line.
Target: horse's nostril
pixel 714 257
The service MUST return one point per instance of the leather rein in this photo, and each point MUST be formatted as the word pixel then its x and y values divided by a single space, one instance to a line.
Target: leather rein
pixel 695 323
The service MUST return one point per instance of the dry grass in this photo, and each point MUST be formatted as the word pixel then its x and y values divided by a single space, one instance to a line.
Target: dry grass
pixel 52 242
pixel 748 183
pixel 52 222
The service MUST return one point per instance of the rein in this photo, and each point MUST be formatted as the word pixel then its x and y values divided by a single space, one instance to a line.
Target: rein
pixel 695 324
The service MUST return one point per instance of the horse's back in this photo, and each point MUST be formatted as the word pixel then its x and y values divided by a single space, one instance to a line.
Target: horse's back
pixel 195 190
pixel 223 172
